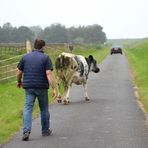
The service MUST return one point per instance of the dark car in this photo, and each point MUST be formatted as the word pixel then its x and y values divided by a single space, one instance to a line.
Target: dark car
pixel 116 49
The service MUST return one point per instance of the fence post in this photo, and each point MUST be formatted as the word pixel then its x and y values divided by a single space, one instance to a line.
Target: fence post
pixel 28 46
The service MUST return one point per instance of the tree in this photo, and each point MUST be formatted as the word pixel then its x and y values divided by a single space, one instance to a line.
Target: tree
pixel 14 35
pixel 24 33
pixel 7 30
pixel 56 33
pixel 37 31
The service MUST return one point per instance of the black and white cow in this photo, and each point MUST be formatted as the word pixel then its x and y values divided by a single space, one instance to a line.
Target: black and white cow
pixel 71 68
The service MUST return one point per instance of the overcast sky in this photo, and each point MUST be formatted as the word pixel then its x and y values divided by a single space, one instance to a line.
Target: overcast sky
pixel 119 18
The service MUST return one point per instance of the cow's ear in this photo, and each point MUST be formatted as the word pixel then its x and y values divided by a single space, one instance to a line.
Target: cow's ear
pixel 91 58
pixel 87 60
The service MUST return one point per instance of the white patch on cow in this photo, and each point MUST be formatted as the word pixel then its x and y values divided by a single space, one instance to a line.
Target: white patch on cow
pixel 83 60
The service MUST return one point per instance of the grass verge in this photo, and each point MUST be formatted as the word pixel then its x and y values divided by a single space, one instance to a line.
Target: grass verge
pixel 138 58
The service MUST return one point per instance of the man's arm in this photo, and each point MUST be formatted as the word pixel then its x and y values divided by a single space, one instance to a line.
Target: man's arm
pixel 19 75
pixel 51 81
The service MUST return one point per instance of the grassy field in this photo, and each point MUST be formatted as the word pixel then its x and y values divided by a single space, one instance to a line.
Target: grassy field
pixel 12 99
pixel 138 58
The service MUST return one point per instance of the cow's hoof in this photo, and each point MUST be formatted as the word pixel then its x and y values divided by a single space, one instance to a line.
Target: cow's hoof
pixel 87 99
pixel 59 101
pixel 66 102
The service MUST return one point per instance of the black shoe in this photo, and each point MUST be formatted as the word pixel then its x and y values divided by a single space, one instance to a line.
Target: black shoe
pixel 26 136
pixel 47 133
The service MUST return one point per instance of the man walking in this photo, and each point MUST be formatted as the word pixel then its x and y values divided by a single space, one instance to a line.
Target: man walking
pixel 36 70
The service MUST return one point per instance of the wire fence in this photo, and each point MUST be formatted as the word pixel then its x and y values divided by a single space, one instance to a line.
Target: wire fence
pixel 9 57
pixel 7 50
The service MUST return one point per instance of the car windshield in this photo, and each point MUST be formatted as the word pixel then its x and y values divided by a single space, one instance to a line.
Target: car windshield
pixel 116 46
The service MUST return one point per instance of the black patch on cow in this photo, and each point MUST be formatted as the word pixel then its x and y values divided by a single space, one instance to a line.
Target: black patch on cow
pixel 91 58
pixel 62 62
pixel 80 65
pixel 57 63
pixel 88 62
pixel 91 61
pixel 66 62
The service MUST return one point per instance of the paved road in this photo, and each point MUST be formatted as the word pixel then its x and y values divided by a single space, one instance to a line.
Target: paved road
pixel 112 119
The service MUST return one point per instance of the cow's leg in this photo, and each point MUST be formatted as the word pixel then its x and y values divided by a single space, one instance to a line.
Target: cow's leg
pixel 59 98
pixel 66 96
pixel 85 92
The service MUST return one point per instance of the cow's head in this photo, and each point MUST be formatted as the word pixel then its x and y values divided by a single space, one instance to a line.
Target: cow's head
pixel 92 64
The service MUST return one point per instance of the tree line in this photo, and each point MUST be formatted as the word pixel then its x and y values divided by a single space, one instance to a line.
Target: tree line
pixel 55 33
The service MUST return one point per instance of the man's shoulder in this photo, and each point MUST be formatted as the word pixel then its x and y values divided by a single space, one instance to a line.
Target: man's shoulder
pixel 37 56
pixel 40 53
pixel 36 53
pixel 45 54
pixel 26 55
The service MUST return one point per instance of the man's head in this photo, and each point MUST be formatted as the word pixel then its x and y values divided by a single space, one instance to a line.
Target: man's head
pixel 39 44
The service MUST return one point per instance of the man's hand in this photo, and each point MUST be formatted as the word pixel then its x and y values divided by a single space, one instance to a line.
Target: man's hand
pixel 19 85
pixel 51 82
pixel 53 92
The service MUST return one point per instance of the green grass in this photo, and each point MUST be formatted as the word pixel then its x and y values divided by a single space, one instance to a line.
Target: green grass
pixel 138 58
pixel 12 99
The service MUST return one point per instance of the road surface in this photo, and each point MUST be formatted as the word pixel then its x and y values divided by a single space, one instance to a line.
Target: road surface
pixel 112 118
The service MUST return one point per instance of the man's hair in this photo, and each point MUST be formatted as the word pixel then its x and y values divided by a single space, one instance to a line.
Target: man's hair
pixel 38 44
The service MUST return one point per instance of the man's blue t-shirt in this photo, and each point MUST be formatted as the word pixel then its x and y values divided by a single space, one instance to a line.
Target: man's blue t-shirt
pixel 34 66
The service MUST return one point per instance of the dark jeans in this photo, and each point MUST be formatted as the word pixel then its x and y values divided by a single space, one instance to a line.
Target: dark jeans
pixel 42 96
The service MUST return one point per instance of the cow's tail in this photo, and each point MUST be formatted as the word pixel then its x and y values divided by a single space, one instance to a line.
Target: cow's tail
pixel 62 62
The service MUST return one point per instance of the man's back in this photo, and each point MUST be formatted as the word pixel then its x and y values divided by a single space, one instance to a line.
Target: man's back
pixel 34 65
